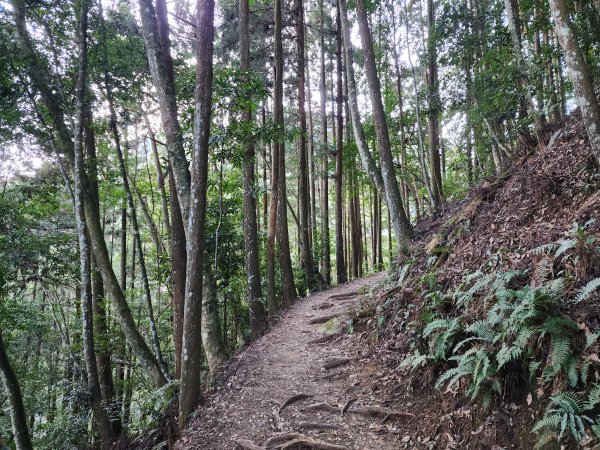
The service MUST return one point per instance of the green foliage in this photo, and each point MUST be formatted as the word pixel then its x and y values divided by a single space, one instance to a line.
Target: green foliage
pixel 151 404
pixel 565 413
pixel 521 326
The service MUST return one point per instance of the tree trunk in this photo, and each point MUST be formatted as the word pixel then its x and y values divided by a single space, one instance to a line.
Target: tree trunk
pixel 81 184
pixel 579 74
pixel 155 30
pixel 258 321
pixel 192 352
pixel 178 265
pixel 134 221
pixel 303 182
pixel 367 160
pixel 339 160
pixel 402 227
pixel 313 194
pixel 272 303
pixel 324 148
pixel 212 338
pixel 434 109
pixel 15 400
pixel 287 276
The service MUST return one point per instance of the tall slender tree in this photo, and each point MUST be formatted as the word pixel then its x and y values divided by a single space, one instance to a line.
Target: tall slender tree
pixel 192 351
pixel 339 158
pixel 85 255
pixel 285 263
pixel 324 150
pixel 579 74
pixel 18 415
pixel 434 108
pixel 303 182
pixel 155 30
pixel 257 311
pixel 401 224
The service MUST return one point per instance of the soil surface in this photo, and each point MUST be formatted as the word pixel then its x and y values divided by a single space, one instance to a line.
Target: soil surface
pixel 284 366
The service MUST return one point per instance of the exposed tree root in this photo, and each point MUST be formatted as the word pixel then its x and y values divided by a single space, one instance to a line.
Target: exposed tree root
pixel 293 399
pixel 325 338
pixel 322 319
pixel 347 294
pixel 325 305
pixel 323 406
pixel 330 376
pixel 280 439
pixel 335 361
pixel 312 444
pixel 379 411
pixel 276 418
pixel 347 405
pixel 317 426
pixel 248 445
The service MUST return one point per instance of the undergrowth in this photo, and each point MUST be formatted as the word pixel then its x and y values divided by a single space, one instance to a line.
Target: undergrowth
pixel 502 331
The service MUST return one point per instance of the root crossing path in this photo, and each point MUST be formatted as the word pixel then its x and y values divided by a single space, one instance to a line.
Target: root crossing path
pixel 306 384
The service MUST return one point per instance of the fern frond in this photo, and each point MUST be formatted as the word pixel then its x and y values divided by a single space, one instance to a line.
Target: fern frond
pixel 550 247
pixel 403 273
pixel 543 269
pixel 559 355
pixel 559 326
pixel 551 421
pixel 503 279
pixel 587 290
pixel 564 246
pixel 453 375
pixel 572 371
pixel 439 324
pixel 533 368
pixel 591 339
pixel 593 398
pixel 555 288
pixel 481 329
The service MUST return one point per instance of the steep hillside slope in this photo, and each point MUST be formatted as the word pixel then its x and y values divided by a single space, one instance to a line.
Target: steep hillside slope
pixel 490 323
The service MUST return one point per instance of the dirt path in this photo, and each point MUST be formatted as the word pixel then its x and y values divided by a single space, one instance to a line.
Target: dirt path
pixel 285 363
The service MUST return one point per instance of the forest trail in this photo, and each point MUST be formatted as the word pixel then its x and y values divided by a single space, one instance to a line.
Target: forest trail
pixel 285 363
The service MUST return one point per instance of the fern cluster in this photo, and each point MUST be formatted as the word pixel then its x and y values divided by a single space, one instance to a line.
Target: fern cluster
pixel 526 328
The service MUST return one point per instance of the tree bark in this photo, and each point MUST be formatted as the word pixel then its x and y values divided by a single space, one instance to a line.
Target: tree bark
pixel 257 311
pixel 579 74
pixel 155 30
pixel 272 303
pixel 303 182
pixel 178 265
pixel 192 352
pixel 339 159
pixel 15 399
pixel 434 109
pixel 81 184
pixel 212 338
pixel 287 276
pixel 402 227
pixel 367 160
pixel 324 150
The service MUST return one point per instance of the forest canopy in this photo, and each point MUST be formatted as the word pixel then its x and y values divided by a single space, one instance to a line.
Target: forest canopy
pixel 175 174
